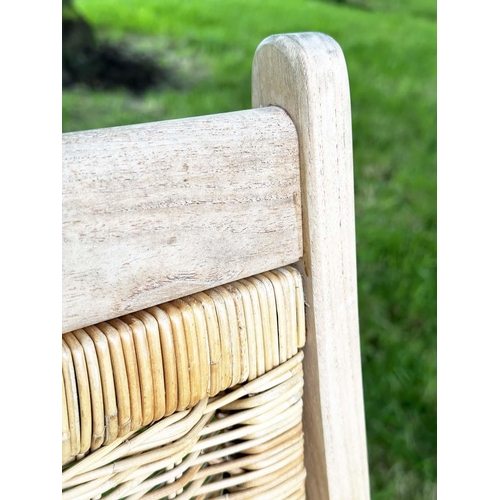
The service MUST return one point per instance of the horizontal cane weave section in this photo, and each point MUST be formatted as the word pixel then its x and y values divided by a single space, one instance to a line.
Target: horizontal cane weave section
pixel 127 373
pixel 245 443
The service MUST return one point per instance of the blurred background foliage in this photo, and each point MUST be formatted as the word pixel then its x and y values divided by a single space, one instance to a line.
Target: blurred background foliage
pixel 204 50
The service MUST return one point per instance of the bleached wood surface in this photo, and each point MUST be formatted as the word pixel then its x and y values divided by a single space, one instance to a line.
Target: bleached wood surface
pixel 305 74
pixel 157 211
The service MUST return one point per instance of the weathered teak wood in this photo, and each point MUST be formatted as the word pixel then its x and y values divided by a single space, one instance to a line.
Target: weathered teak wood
pixel 158 211
pixel 305 74
pixel 161 210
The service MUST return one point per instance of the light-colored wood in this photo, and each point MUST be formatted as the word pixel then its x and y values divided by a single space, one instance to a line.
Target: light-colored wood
pixel 305 74
pixel 158 211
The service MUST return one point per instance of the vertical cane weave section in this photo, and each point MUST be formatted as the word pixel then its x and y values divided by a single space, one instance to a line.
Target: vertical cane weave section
pixel 196 398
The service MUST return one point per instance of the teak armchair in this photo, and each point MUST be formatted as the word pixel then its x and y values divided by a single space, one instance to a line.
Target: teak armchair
pixel 203 258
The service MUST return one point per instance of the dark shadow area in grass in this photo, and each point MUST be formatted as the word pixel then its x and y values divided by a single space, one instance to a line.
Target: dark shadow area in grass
pixel 102 65
pixel 110 67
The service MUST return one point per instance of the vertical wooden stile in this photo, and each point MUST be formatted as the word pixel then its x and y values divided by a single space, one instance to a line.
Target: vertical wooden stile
pixel 305 74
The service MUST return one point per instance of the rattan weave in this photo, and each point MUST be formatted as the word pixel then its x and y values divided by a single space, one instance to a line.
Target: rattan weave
pixel 197 398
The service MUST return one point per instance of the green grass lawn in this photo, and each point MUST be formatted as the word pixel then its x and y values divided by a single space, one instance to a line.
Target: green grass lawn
pixel 390 48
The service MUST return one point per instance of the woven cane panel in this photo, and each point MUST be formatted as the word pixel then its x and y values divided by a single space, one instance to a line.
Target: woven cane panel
pixel 191 398
pixel 245 443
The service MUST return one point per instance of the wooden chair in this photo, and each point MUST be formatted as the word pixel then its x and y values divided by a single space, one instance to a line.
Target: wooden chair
pixel 195 253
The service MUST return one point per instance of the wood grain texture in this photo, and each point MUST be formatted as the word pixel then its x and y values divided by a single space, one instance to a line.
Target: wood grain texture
pixel 158 211
pixel 305 74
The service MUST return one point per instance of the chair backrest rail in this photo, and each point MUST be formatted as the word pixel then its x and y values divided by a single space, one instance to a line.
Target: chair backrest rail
pixel 157 211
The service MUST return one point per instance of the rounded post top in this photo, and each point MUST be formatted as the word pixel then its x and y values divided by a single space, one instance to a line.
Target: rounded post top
pixel 308 61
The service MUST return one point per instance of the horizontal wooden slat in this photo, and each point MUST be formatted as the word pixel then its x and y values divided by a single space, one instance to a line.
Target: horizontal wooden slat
pixel 157 211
